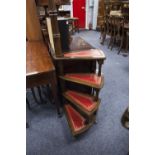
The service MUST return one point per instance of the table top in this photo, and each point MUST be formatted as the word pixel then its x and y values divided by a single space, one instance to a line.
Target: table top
pixel 38 59
pixel 67 18
pixel 62 18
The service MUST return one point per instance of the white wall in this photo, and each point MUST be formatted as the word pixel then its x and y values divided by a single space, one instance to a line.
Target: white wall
pixel 91 13
pixel 95 13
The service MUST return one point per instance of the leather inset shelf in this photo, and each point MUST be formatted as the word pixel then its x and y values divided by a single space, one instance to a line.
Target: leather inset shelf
pixel 84 102
pixel 90 54
pixel 88 79
pixel 76 120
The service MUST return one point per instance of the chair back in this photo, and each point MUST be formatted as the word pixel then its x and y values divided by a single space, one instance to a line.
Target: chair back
pixel 119 26
pixel 51 36
pixel 116 6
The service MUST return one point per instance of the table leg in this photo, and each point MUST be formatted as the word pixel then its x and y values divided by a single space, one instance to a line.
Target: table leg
pixel 121 44
pixel 28 104
pixel 27 125
pixel 127 42
pixel 78 25
pixel 72 24
pixel 34 96
pixel 39 91
pixel 55 93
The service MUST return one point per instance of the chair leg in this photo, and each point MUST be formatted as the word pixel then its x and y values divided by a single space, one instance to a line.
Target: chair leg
pixel 96 117
pixel 110 42
pixel 78 25
pixel 113 42
pixel 34 96
pixel 72 27
pixel 28 104
pixel 41 98
pixel 114 34
pixel 54 93
pixel 27 125
pixel 127 44
pixel 121 45
pixel 48 94
pixel 103 38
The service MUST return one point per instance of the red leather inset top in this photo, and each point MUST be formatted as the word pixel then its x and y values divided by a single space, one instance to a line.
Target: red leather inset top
pixel 84 101
pixel 75 118
pixel 89 78
pixel 92 53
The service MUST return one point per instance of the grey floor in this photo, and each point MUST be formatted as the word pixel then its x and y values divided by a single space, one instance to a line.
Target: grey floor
pixel 50 135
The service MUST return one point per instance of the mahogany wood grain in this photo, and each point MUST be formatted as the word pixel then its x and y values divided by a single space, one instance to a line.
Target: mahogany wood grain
pixel 33 29
pixel 100 17
pixel 37 58
pixel 40 69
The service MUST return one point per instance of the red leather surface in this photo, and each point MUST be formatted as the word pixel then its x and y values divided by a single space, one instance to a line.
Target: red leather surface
pixel 84 101
pixel 75 118
pixel 89 78
pixel 93 53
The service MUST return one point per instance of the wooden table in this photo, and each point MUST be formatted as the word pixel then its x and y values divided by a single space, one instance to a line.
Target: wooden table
pixel 40 69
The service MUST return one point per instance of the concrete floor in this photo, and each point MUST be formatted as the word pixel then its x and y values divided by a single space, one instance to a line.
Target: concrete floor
pixel 50 135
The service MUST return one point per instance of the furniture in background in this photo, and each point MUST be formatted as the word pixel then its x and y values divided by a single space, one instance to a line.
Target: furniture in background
pixel 32 27
pixel 100 16
pixel 118 28
pixel 74 24
pixel 116 24
pixel 45 4
pixel 125 118
pixel 40 69
pixel 57 2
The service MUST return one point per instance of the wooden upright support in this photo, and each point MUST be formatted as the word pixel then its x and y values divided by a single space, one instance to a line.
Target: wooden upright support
pixel 56 34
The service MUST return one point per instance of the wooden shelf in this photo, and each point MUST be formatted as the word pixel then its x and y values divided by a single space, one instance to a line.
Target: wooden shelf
pixel 84 102
pixel 87 79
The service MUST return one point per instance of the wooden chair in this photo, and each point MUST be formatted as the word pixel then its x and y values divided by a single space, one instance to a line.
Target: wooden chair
pixel 116 5
pixel 127 42
pixel 125 33
pixel 118 36
pixel 106 29
pixel 111 23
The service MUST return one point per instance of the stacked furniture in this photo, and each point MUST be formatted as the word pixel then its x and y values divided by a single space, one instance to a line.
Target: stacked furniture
pixel 80 106
pixel 116 24
pixel 100 16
